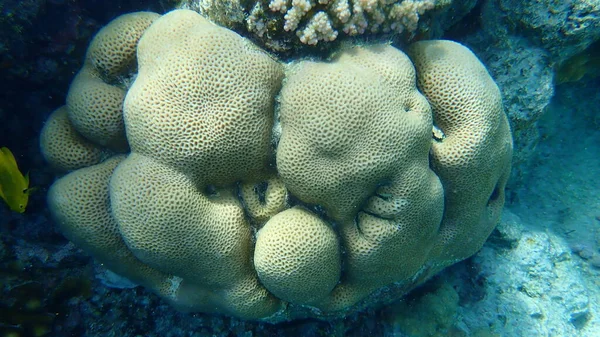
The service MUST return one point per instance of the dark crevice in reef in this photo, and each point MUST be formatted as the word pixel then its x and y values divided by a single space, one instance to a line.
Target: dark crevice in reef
pixel 467 25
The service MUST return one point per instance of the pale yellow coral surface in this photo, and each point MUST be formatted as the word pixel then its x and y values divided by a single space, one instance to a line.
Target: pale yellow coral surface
pixel 91 123
pixel 199 113
pixel 297 256
pixel 360 149
pixel 206 107
pixel 275 192
pixel 96 110
pixel 81 206
pixel 474 155
pixel 64 148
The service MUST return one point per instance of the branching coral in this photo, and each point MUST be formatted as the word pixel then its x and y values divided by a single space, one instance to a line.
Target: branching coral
pixel 276 22
pixel 325 19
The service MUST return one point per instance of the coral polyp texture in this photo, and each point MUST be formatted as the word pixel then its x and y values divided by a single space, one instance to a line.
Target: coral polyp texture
pixel 204 169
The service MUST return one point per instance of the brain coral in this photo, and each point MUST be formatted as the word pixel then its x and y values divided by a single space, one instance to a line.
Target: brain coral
pixel 90 126
pixel 246 187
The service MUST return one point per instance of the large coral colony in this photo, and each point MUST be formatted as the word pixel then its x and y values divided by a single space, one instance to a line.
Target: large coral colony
pixel 197 165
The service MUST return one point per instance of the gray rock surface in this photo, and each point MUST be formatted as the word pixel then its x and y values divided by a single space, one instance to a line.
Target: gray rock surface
pixel 538 288
pixel 522 43
pixel 563 28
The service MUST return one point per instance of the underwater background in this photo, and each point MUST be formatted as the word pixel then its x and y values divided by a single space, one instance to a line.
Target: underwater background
pixel 537 275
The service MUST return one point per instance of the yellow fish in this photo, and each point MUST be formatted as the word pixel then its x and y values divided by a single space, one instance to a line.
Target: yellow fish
pixel 14 187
